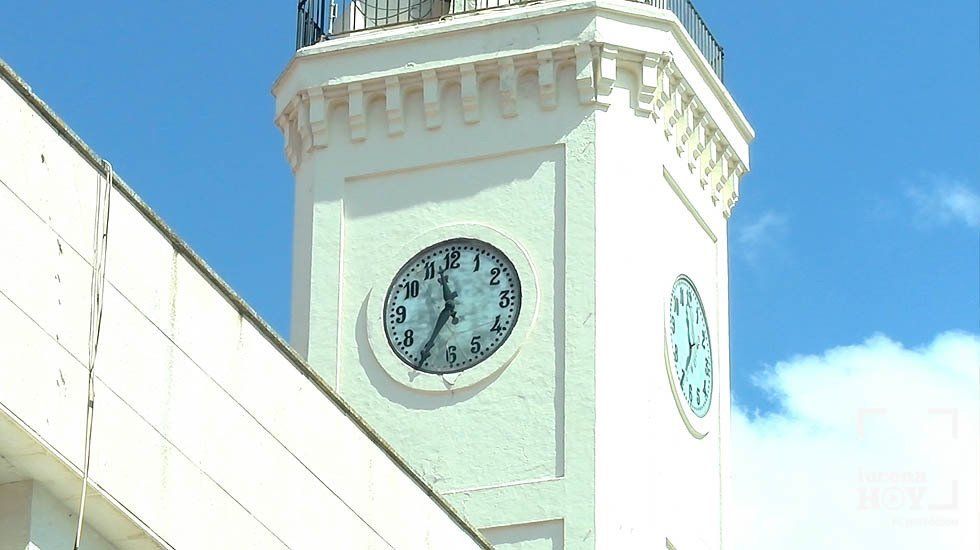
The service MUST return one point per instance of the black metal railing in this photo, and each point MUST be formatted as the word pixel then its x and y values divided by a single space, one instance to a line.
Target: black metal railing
pixel 311 19
pixel 315 22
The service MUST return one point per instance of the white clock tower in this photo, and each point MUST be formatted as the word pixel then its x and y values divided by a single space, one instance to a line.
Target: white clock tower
pixel 589 152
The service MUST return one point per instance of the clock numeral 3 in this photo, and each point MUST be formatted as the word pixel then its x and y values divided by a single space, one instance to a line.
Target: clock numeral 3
pixel 505 299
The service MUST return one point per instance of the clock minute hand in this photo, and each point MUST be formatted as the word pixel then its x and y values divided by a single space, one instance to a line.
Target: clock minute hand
pixel 444 316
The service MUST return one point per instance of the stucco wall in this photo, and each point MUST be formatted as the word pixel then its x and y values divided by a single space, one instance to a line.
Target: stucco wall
pixel 208 431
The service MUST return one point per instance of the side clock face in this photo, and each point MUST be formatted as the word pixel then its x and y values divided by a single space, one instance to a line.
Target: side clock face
pixel 452 306
pixel 690 346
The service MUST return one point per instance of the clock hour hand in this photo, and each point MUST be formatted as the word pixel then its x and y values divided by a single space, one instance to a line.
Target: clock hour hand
pixel 690 330
pixel 448 296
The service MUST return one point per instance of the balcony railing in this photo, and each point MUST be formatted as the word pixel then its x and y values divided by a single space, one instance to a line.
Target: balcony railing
pixel 315 22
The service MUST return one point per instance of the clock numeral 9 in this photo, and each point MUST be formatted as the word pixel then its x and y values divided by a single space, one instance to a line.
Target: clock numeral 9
pixel 412 289
pixel 400 314
pixel 451 354
pixel 475 345
pixel 505 299
pixel 494 276
pixel 409 338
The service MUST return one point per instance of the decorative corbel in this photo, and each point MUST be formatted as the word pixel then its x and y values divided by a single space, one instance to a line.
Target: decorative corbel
pixel 710 160
pixel 702 136
pixel 355 112
pixel 584 74
pixel 607 70
pixel 724 173
pixel 393 106
pixel 430 99
pixel 318 118
pixel 645 97
pixel 303 123
pixel 694 115
pixel 546 81
pixel 676 109
pixel 470 92
pixel 664 84
pixel 282 121
pixel 508 87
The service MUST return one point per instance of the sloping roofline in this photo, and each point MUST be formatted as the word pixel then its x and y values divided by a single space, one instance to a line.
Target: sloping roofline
pixel 246 311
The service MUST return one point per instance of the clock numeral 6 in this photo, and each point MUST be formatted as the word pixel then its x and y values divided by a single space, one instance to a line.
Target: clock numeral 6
pixel 475 345
pixel 400 314
pixel 451 354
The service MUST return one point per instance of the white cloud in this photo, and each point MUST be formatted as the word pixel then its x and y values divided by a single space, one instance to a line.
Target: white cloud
pixel 876 447
pixel 943 200
pixel 755 237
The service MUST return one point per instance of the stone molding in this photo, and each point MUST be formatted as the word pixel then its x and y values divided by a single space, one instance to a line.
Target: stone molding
pixel 661 93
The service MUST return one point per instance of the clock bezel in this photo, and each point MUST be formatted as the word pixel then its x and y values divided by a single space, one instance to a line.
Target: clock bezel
pixel 415 379
pixel 697 426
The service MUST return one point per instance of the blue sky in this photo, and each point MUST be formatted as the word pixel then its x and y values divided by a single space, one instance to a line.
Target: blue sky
pixel 860 215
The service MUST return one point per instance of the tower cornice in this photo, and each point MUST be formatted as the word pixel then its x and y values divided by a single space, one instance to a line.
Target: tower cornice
pixel 664 96
pixel 353 45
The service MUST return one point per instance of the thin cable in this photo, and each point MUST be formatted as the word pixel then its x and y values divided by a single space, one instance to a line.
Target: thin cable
pixel 101 238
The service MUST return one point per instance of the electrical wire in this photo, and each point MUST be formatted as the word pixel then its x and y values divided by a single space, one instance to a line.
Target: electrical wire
pixel 101 240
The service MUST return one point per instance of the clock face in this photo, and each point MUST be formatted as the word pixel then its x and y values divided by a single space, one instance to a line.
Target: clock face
pixel 690 346
pixel 452 306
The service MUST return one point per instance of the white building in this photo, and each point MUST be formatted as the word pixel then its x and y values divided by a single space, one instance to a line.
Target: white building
pixel 510 302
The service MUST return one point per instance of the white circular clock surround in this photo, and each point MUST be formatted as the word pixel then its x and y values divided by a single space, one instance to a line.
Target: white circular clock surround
pixel 696 416
pixel 499 251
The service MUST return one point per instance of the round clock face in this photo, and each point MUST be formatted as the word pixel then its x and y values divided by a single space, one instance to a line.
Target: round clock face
pixel 452 306
pixel 690 346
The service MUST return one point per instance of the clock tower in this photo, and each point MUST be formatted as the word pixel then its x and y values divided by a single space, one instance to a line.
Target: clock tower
pixel 511 255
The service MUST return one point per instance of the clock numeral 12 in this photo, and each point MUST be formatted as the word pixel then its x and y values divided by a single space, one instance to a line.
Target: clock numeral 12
pixel 452 260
